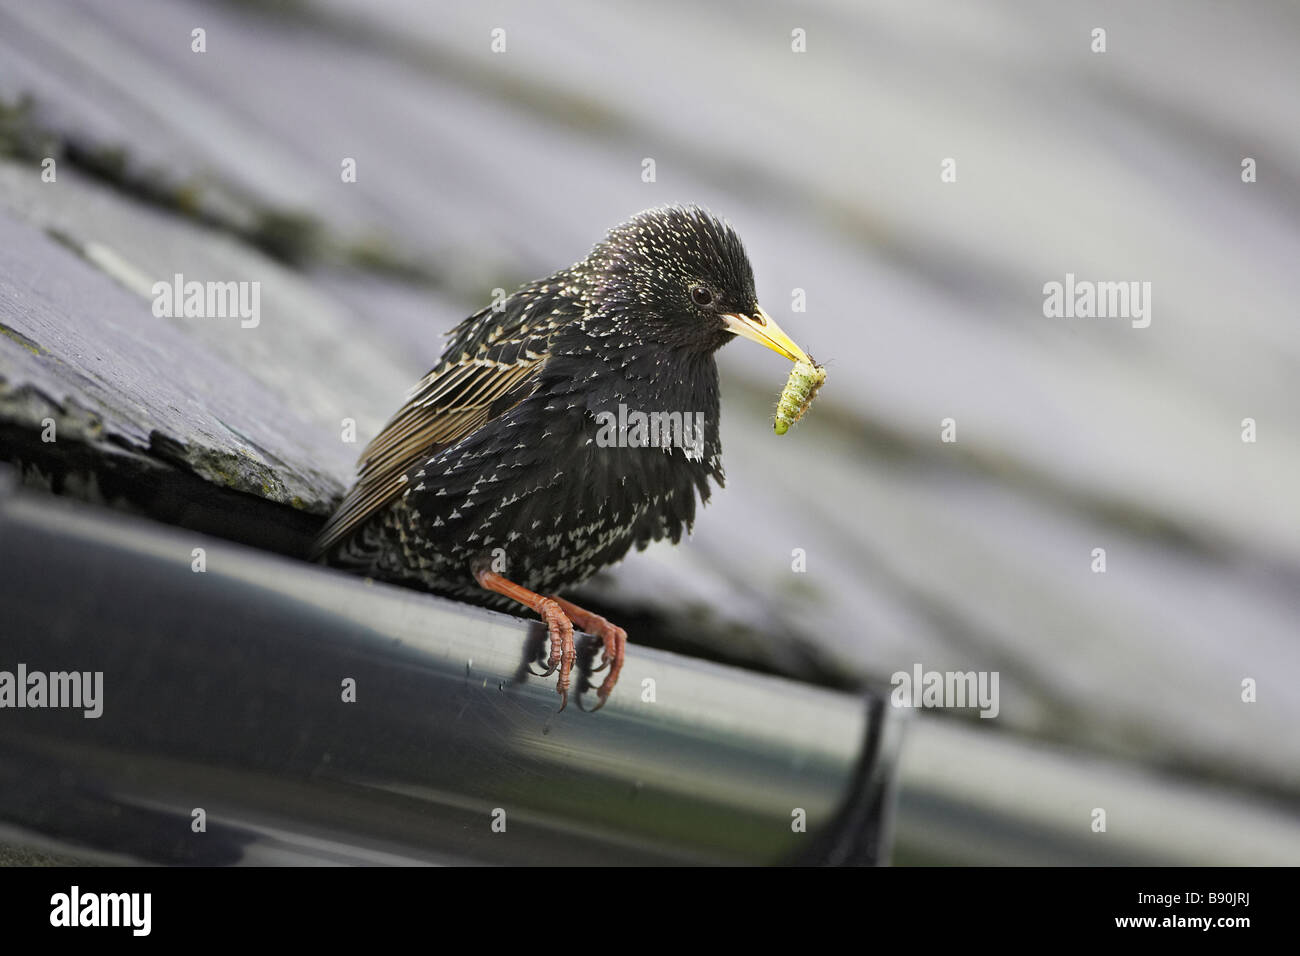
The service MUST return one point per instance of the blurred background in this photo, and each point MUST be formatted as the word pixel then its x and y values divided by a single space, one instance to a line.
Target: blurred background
pixel 496 142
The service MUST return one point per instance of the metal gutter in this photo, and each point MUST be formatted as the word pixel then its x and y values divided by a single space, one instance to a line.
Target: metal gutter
pixel 223 690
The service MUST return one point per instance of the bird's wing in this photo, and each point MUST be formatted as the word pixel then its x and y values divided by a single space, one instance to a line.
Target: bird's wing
pixel 490 365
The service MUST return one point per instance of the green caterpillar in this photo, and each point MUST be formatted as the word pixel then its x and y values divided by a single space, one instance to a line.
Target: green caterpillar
pixel 800 389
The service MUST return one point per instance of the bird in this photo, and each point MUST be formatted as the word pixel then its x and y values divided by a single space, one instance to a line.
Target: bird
pixel 518 466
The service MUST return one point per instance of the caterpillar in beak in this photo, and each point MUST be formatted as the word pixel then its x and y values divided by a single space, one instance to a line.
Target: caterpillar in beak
pixel 800 389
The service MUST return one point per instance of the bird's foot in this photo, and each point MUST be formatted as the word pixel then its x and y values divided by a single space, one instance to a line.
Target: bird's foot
pixel 613 643
pixel 563 652
pixel 558 625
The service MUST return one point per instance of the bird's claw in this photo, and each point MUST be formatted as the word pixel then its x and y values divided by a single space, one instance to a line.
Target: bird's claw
pixel 615 644
pixel 561 617
pixel 563 653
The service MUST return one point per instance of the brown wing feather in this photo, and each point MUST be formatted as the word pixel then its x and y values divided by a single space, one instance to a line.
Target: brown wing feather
pixel 422 428
pixel 490 365
pixel 428 420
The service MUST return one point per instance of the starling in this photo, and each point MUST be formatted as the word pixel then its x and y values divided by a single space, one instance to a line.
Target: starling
pixel 528 458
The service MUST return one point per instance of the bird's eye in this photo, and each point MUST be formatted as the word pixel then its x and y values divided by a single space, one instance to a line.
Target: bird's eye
pixel 701 295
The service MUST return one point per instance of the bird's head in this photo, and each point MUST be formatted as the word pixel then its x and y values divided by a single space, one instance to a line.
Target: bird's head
pixel 679 277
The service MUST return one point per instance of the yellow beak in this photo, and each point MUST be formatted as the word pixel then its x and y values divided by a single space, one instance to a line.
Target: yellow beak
pixel 762 328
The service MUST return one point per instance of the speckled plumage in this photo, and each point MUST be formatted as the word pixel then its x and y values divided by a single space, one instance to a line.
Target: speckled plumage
pixel 496 447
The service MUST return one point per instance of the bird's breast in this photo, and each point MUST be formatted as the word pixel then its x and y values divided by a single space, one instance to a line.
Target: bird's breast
pixel 570 479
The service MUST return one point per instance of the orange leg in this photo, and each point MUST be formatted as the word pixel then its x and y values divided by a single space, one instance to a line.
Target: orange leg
pixel 559 627
pixel 613 637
